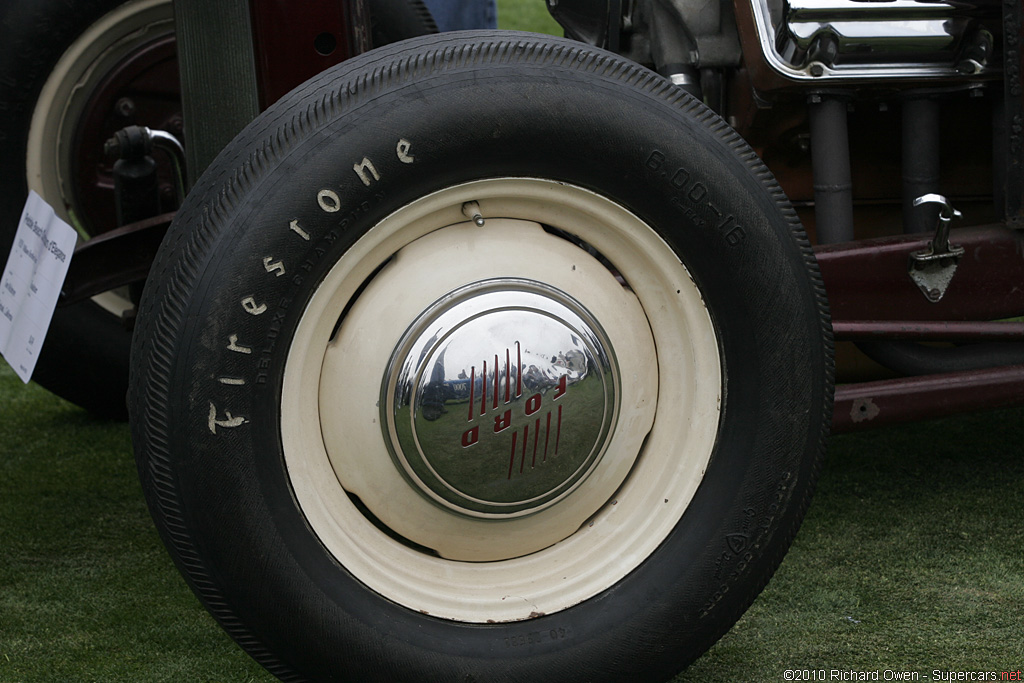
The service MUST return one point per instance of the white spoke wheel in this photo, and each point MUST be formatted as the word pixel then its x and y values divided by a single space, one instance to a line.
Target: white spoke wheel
pixel 474 355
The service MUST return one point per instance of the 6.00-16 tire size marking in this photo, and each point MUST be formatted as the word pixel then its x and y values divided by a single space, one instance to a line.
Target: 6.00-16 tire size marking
pixel 696 194
pixel 536 637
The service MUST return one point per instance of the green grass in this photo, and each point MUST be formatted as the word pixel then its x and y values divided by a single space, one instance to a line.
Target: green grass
pixel 911 558
pixel 87 592
pixel 527 15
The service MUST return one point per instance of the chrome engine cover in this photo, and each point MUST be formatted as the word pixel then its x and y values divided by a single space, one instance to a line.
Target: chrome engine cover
pixel 887 39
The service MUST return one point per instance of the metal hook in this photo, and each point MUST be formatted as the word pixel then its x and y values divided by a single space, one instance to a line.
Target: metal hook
pixel 932 269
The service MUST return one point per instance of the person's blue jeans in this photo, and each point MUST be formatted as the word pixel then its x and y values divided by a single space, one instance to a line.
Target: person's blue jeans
pixel 457 15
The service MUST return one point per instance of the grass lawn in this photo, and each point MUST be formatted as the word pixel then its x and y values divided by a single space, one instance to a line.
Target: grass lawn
pixel 87 592
pixel 912 558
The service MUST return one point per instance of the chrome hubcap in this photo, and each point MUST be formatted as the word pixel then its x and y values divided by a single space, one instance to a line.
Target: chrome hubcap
pixel 500 398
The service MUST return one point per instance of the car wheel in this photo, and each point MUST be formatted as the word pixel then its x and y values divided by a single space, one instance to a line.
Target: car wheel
pixel 485 356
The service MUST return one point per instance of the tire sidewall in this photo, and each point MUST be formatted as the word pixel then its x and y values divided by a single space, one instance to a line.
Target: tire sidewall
pixel 631 142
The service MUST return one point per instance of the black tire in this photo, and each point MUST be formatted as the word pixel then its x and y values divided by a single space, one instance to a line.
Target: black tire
pixel 85 356
pixel 285 244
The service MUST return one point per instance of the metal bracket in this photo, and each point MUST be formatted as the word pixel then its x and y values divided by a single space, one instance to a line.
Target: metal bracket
pixel 932 269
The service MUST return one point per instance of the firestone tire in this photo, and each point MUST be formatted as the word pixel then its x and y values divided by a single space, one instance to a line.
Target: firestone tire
pixel 53 56
pixel 482 357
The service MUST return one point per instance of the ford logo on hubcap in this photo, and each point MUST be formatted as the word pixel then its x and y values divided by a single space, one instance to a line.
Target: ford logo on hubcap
pixel 500 398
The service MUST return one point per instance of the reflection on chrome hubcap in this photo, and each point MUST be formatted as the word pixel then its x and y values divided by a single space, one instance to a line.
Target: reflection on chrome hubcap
pixel 500 398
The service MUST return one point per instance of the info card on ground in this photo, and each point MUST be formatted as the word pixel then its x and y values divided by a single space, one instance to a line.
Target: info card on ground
pixel 31 283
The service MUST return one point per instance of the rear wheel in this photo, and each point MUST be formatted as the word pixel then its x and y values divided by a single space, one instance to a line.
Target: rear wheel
pixel 485 357
pixel 72 76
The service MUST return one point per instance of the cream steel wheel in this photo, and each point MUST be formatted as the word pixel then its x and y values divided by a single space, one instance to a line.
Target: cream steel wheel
pixel 626 490
pixel 82 70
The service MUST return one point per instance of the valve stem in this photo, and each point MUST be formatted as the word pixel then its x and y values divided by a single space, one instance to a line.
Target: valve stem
pixel 471 210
